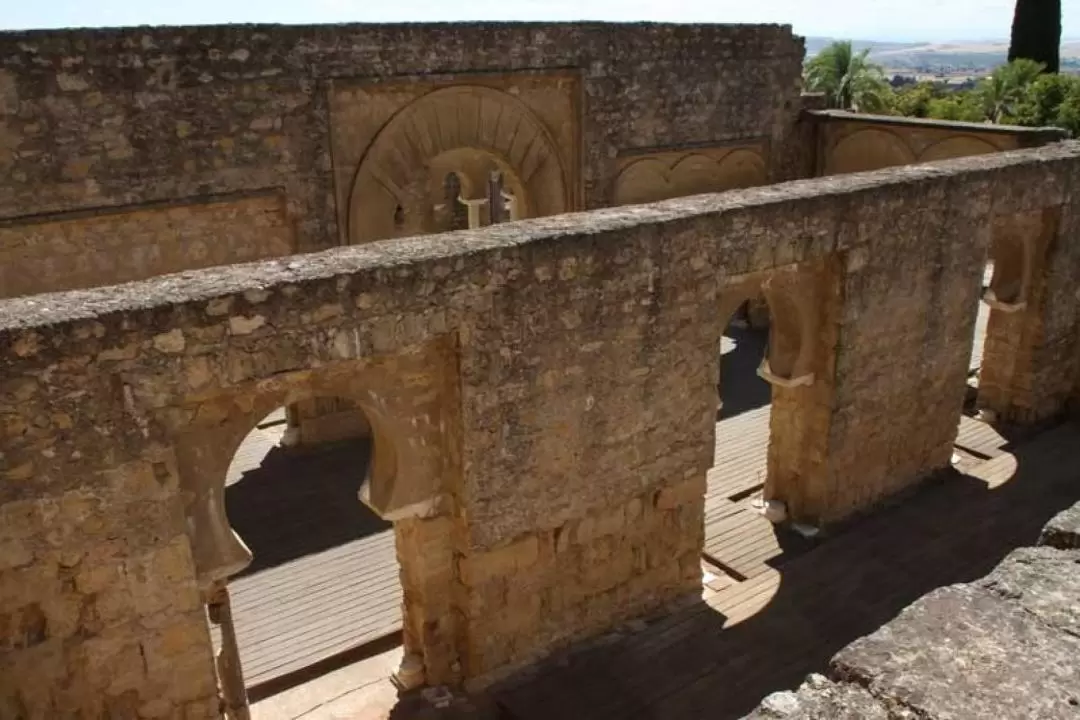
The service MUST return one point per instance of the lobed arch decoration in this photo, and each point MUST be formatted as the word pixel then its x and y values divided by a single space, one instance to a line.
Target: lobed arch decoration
pixel 469 130
pixel 402 479
pixel 1017 251
pixel 955 147
pixel 661 177
pixel 797 364
pixel 791 296
pixel 869 149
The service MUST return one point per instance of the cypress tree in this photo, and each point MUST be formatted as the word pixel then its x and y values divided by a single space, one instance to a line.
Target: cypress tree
pixel 1036 32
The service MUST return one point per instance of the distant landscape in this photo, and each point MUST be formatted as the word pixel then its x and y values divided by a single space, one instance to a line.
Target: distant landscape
pixel 954 62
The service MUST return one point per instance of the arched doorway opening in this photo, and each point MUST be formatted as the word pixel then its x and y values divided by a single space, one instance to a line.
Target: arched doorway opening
pixel 764 367
pixel 998 380
pixel 323 582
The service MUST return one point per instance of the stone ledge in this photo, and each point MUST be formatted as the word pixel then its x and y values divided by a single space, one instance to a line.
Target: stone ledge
pixel 819 698
pixel 1063 531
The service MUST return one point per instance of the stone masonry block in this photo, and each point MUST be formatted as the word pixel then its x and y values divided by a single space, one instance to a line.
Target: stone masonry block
pixel 481 566
pixel 952 654
pixel 686 491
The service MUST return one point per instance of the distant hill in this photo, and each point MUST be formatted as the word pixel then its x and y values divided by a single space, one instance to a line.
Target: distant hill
pixel 970 57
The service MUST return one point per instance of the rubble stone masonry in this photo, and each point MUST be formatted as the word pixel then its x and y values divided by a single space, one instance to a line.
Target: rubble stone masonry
pixel 118 122
pixel 542 399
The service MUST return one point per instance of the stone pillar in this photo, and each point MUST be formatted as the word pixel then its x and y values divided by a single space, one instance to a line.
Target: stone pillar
pixel 230 674
pixel 430 628
pixel 526 596
pixel 476 207
pixel 495 194
pixel 802 340
pixel 1028 359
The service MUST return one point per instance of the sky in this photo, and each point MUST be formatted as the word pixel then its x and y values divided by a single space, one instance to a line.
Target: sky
pixel 899 20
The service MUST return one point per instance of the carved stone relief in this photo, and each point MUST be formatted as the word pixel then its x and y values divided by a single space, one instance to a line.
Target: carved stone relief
pixel 667 175
pixel 454 135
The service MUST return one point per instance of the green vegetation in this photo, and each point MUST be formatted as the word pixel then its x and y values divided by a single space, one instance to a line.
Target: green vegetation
pixel 1016 93
pixel 848 79
pixel 1036 33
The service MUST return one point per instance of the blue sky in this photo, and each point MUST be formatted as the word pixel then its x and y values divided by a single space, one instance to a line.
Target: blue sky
pixel 929 20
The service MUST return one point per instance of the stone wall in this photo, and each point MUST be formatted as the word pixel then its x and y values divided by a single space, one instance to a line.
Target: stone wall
pixel 854 142
pixel 117 121
pixel 77 250
pixel 1003 646
pixel 542 399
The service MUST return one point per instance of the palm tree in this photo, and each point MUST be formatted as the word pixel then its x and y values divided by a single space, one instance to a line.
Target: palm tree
pixel 1006 87
pixel 1036 33
pixel 848 79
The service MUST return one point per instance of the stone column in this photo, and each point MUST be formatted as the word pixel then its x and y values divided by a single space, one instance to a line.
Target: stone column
pixel 1028 359
pixel 230 674
pixel 430 632
pixel 802 340
pixel 476 207
pixel 495 194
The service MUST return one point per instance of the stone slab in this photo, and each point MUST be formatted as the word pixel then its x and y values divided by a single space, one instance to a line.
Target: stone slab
pixel 1044 581
pixel 964 652
pixel 820 699
pixel 1063 531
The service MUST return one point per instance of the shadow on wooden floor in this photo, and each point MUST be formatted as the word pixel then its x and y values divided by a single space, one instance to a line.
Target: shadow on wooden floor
pixel 301 502
pixel 688 665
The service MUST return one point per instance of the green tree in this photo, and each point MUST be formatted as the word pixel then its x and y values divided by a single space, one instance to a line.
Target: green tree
pixel 1006 88
pixel 1036 33
pixel 848 79
pixel 1068 115
pixel 913 100
pixel 1041 103
pixel 961 105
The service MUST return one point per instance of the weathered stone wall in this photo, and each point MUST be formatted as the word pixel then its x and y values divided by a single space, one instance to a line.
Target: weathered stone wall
pixel 107 120
pixel 853 142
pixel 542 398
pixel 77 250
pixel 1003 646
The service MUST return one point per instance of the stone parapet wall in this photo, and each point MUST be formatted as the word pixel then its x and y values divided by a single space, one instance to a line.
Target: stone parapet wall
pixel 1004 646
pixel 95 121
pixel 855 142
pixel 542 397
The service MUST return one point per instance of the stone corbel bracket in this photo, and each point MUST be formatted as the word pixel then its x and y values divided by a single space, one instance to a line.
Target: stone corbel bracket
pixel 1018 242
pixel 990 298
pixel 794 298
pixel 766 374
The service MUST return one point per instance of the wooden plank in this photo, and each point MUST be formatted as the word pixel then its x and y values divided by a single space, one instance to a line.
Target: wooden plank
pixel 979 438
